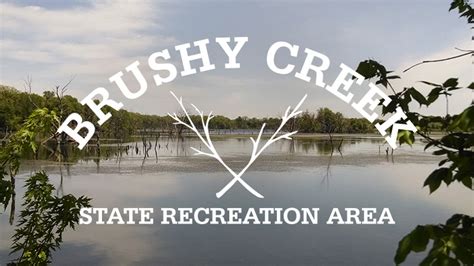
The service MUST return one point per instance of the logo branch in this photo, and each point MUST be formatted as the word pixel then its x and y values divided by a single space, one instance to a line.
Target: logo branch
pixel 206 140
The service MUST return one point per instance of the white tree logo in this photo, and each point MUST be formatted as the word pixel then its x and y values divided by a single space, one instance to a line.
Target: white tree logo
pixel 256 143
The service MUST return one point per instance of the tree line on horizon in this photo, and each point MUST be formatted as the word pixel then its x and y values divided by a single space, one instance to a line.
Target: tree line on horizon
pixel 16 106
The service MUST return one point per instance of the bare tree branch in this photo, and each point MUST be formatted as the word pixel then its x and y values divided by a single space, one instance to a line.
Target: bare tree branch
pixel 463 50
pixel 440 60
pixel 28 81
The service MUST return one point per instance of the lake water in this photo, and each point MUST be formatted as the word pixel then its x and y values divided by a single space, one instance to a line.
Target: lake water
pixel 300 173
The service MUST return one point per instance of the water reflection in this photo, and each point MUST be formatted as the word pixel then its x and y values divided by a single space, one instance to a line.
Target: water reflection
pixel 351 186
pixel 174 154
pixel 304 172
pixel 151 149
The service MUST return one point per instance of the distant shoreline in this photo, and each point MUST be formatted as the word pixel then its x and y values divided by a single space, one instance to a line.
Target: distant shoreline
pixel 250 134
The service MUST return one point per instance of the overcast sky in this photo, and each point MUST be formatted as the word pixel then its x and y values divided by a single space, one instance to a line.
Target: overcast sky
pixel 53 41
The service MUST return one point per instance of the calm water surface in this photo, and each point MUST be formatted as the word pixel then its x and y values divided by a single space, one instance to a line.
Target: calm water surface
pixel 297 174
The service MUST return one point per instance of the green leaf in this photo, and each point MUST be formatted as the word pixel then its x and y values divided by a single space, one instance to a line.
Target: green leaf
pixel 467 181
pixel 406 136
pixel 417 96
pixel 446 261
pixel 371 68
pixel 419 239
pixel 440 152
pixel 442 162
pixel 454 4
pixel 454 220
pixel 366 69
pixel 404 248
pixel 436 177
pixel 431 143
pixel 453 140
pixel 433 95
pixel 465 120
pixel 430 83
pixel 452 82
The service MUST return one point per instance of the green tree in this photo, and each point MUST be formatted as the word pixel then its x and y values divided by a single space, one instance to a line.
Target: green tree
pixel 329 122
pixel 306 122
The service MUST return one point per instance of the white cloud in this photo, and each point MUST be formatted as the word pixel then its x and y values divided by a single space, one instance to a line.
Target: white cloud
pixel 103 19
pixel 92 41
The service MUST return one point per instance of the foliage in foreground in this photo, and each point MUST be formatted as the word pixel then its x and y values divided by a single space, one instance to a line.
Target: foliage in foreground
pixel 44 217
pixel 40 124
pixel 451 245
pixel 43 220
pixel 453 242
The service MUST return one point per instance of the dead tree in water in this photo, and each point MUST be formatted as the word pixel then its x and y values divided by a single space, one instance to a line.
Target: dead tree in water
pixel 97 137
pixel 291 125
pixel 144 144
pixel 156 143
pixel 179 128
pixel 339 146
